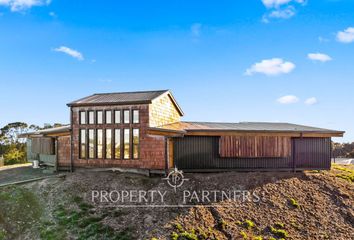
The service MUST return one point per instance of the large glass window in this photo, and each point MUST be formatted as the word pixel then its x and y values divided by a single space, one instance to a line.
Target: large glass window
pixel 126 143
pixel 82 117
pixel 99 117
pixel 135 116
pixel 108 143
pixel 91 117
pixel 82 143
pixel 91 134
pixel 117 116
pixel 117 143
pixel 126 116
pixel 135 143
pixel 99 143
pixel 108 117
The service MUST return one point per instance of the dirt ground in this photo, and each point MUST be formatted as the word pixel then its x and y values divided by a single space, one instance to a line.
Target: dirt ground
pixel 19 172
pixel 310 205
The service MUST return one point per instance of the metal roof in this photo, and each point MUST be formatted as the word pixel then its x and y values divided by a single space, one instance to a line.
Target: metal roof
pixel 245 127
pixel 119 98
pixel 61 129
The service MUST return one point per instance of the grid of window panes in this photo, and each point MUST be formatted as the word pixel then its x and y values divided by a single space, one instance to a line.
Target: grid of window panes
pixel 120 141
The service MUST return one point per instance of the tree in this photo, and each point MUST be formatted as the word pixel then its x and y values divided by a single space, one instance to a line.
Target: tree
pixel 11 146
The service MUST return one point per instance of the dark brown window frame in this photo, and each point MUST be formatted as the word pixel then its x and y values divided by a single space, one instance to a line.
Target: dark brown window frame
pixel 80 143
pixel 94 144
pixel 96 113
pixel 132 143
pixel 120 116
pixel 132 113
pixel 130 116
pixel 105 143
pixel 88 117
pixel 120 143
pixel 80 119
pixel 105 117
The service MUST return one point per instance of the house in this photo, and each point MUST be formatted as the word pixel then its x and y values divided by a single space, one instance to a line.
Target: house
pixel 143 130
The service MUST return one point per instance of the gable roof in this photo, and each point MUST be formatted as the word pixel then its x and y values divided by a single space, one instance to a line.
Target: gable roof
pixel 190 127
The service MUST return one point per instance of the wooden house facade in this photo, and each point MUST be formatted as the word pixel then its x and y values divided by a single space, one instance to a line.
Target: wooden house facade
pixel 143 130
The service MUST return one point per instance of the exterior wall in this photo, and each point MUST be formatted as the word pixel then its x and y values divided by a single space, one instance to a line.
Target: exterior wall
pixel 152 154
pixel 313 153
pixel 201 153
pixel 162 111
pixel 63 155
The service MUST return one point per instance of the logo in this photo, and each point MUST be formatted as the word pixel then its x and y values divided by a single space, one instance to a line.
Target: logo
pixel 175 179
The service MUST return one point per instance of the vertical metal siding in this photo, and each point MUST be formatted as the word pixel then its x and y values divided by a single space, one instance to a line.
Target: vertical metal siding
pixel 312 153
pixel 202 153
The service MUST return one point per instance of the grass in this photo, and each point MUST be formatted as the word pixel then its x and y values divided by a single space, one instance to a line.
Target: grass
pixel 20 209
pixel 81 224
pixel 346 173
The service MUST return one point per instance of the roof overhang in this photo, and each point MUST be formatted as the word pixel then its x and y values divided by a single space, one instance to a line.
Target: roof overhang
pixel 165 132
pixel 208 132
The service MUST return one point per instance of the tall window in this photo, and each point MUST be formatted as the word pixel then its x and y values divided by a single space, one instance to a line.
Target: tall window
pixel 82 143
pixel 99 143
pixel 91 143
pixel 135 143
pixel 99 117
pixel 108 117
pixel 117 116
pixel 117 143
pixel 135 116
pixel 126 116
pixel 82 117
pixel 108 143
pixel 91 117
pixel 126 143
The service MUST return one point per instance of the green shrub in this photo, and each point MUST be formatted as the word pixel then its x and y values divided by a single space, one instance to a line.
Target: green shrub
pixel 279 225
pixel 249 224
pixel 179 227
pixel 174 236
pixel 294 203
pixel 189 236
pixel 243 235
pixel 281 233
pixel 258 238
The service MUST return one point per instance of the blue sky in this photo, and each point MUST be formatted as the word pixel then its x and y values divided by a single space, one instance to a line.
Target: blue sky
pixel 270 60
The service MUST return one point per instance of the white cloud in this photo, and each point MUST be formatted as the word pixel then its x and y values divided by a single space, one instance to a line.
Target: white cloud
pixel 283 13
pixel 70 52
pixel 346 36
pixel 275 3
pixel 271 67
pixel 288 99
pixel 319 57
pixel 311 101
pixel 280 9
pixel 196 29
pixel 20 5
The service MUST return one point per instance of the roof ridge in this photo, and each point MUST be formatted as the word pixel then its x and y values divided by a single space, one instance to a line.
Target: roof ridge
pixel 149 91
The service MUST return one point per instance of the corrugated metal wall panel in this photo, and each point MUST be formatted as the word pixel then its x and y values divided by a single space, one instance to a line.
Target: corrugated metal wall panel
pixel 202 153
pixel 312 152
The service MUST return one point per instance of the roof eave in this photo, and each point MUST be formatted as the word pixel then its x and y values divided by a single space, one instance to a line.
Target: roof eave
pixel 107 103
